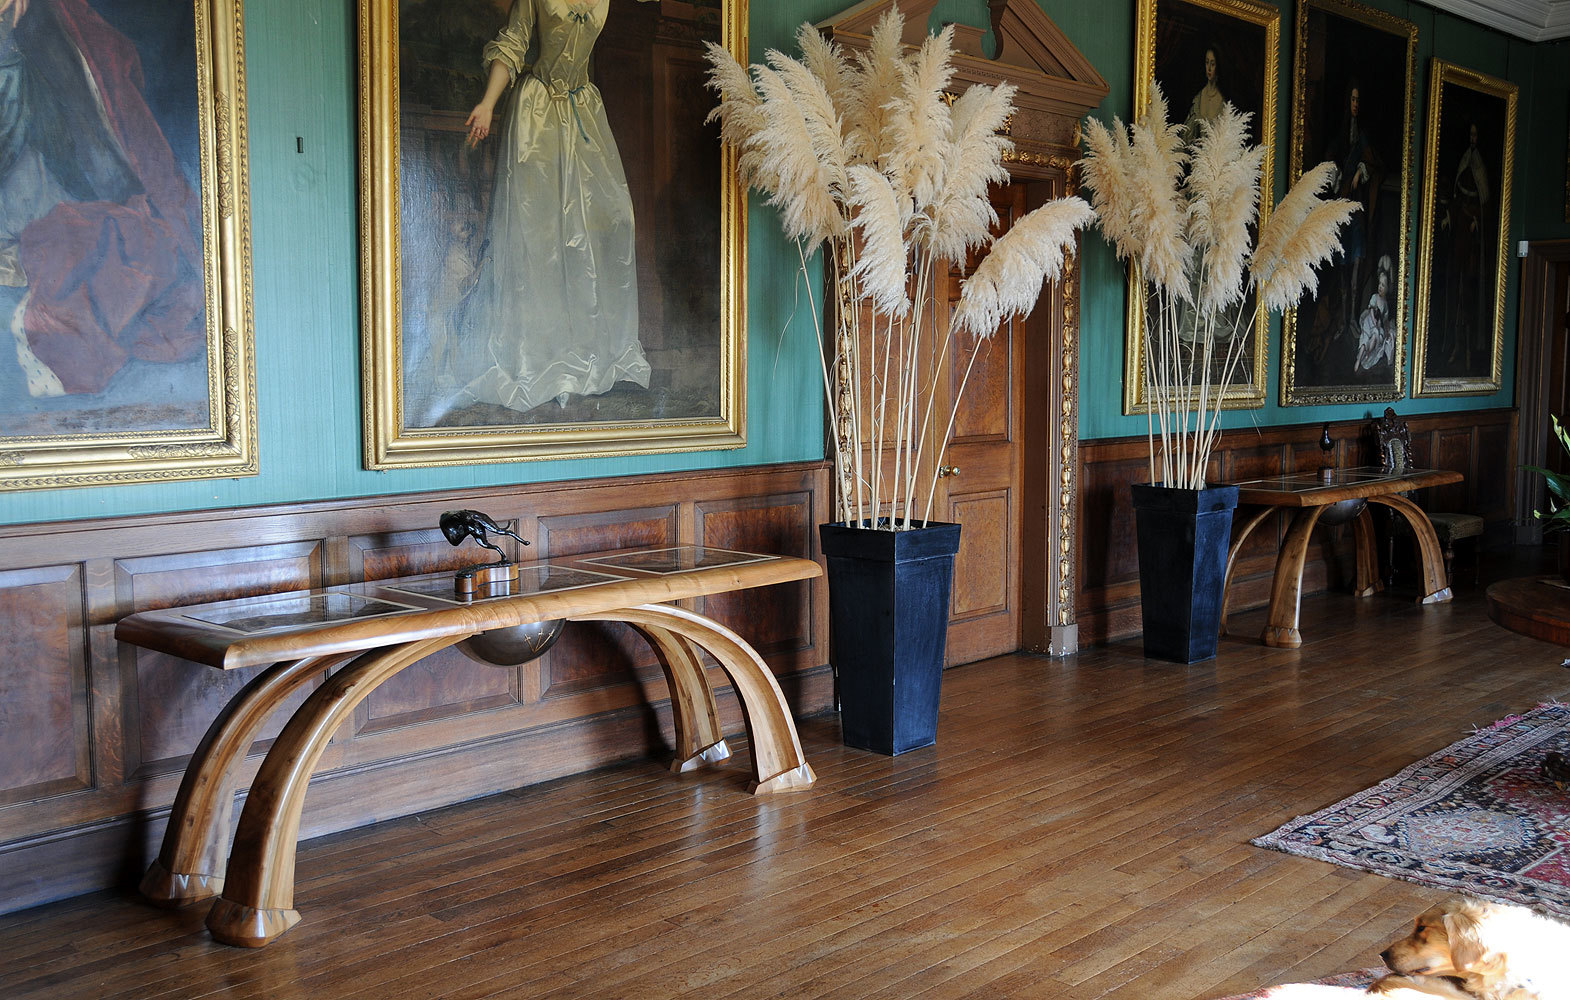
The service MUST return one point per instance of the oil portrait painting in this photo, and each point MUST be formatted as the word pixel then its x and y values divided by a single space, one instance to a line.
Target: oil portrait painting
pixel 1352 106
pixel 1465 219
pixel 124 244
pixel 554 245
pixel 1205 55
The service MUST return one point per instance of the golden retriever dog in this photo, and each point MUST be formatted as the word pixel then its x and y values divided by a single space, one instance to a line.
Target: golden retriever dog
pixel 1472 950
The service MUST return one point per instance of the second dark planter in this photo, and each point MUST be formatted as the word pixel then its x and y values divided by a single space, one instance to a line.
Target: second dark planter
pixel 1183 540
pixel 889 617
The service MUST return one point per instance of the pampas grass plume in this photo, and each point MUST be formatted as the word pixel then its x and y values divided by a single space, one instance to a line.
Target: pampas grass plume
pixel 1008 281
pixel 1106 172
pixel 1314 242
pixel 1286 219
pixel 1223 191
pixel 884 264
pixel 874 87
pixel 920 124
pixel 1159 213
pixel 964 216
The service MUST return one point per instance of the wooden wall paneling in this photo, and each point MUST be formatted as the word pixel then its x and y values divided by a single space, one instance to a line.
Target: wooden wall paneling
pixel 44 726
pixel 775 619
pixel 85 809
pixel 167 703
pixel 600 654
pixel 1491 491
pixel 445 684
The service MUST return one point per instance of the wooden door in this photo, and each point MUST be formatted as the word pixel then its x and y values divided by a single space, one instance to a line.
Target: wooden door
pixel 1542 375
pixel 979 485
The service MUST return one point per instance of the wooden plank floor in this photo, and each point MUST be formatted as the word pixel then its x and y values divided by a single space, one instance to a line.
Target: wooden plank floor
pixel 1081 830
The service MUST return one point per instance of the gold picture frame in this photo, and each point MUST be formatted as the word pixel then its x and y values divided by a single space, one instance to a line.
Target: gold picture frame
pixel 688 216
pixel 1465 234
pixel 135 365
pixel 1352 102
pixel 1172 42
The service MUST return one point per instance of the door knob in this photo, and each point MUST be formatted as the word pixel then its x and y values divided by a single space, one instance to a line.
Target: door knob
pixel 947 470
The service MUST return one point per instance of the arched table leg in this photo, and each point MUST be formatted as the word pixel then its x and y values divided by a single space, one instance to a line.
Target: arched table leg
pixel 1436 586
pixel 189 866
pixel 1368 581
pixel 257 903
pixel 1237 546
pixel 1286 591
pixel 699 737
pixel 778 763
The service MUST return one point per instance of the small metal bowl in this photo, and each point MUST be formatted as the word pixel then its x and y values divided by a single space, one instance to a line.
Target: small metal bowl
pixel 1343 511
pixel 515 644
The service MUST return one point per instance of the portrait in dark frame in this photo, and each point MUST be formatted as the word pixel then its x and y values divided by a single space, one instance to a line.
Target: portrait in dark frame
pixel 636 343
pixel 124 256
pixel 1205 54
pixel 1467 173
pixel 1352 106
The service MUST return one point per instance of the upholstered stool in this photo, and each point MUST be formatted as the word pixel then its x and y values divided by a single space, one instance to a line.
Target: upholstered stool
pixel 1451 528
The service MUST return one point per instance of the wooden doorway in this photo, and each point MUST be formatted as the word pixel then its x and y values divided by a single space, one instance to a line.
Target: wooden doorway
pixel 979 484
pixel 1018 482
pixel 1542 374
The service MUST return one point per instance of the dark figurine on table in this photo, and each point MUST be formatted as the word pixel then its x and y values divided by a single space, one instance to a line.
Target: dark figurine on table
pixel 460 524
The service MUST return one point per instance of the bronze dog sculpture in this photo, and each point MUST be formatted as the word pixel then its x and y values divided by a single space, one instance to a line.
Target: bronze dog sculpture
pixel 460 524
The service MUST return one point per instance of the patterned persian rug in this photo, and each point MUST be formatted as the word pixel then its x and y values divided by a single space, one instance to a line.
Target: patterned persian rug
pixel 1354 980
pixel 1478 817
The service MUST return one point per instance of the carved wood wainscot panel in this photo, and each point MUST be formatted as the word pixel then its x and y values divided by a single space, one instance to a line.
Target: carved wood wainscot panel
pixel 592 655
pixel 169 703
pixel 93 734
pixel 445 684
pixel 1479 444
pixel 44 741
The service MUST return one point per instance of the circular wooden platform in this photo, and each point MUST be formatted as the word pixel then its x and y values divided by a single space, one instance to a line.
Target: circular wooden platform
pixel 1538 606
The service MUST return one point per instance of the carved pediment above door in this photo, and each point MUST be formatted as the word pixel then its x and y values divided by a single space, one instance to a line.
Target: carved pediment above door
pixel 1057 85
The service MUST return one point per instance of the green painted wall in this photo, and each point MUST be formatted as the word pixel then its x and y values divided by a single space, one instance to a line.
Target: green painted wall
pixel 300 68
pixel 300 64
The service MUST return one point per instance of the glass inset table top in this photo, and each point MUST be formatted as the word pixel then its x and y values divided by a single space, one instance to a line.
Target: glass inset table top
pixel 1299 482
pixel 533 578
pixel 677 559
pixel 267 614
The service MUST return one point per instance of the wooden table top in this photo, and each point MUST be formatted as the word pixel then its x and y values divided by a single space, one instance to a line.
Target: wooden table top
pixel 1538 606
pixel 1310 489
pixel 267 629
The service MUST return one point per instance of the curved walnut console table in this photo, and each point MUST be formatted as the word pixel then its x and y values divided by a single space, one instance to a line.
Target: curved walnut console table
pixel 369 632
pixel 1310 495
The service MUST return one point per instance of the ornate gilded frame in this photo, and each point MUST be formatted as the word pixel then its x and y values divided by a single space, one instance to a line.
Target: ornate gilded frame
pixel 389 442
pixel 1442 73
pixel 1249 394
pixel 1293 393
pixel 223 444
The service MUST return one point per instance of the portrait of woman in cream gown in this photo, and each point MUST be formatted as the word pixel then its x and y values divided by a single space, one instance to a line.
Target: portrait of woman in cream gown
pixel 550 310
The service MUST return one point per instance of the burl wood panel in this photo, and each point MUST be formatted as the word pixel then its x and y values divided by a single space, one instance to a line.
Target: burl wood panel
pixel 43 684
pixel 986 407
pixel 1477 443
pixel 169 704
pixel 981 568
pixel 447 683
pixel 596 654
pixel 778 618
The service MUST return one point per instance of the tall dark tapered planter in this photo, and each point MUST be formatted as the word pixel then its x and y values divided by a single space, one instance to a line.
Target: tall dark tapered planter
pixel 1183 539
pixel 889 619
